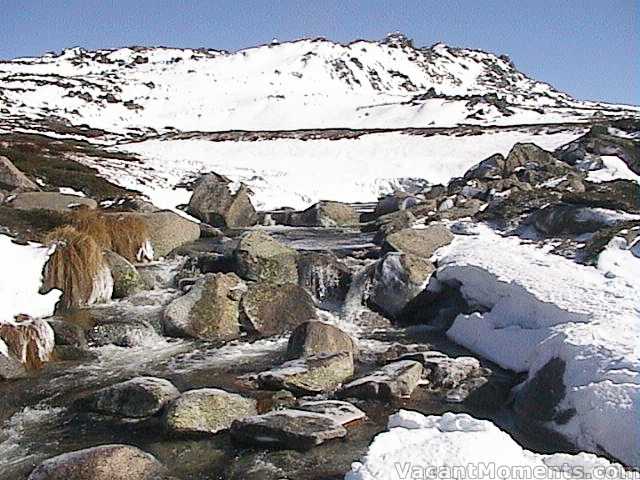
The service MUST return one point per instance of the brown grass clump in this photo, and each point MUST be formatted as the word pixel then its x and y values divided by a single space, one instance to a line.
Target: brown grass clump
pixel 73 267
pixel 129 236
pixel 125 235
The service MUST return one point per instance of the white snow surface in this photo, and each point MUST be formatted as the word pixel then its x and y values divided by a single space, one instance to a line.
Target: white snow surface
pixel 614 169
pixel 291 85
pixel 544 306
pixel 421 447
pixel 21 279
pixel 298 173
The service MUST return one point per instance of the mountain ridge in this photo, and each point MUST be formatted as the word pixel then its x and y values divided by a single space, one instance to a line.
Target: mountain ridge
pixel 306 83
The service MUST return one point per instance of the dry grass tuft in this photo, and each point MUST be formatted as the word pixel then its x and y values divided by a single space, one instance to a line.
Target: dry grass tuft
pixel 129 236
pixel 74 266
pixel 126 235
pixel 30 341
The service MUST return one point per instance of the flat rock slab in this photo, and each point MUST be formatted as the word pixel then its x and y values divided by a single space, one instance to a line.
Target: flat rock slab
pixel 287 429
pixel 342 412
pixel 206 411
pixel 311 375
pixel 139 397
pixel 396 380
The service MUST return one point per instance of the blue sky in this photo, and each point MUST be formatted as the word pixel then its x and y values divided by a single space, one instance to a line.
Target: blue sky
pixel 588 48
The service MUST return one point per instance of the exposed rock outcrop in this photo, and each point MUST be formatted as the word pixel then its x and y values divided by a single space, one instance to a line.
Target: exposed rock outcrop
pixel 259 257
pixel 218 202
pixel 209 310
pixel 268 309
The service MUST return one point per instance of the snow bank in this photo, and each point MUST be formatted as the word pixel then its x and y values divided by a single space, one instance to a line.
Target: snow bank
pixel 298 173
pixel 614 169
pixel 20 280
pixel 460 446
pixel 542 307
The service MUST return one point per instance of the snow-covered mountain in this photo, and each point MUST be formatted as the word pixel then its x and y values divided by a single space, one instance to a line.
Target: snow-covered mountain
pixel 303 84
pixel 319 120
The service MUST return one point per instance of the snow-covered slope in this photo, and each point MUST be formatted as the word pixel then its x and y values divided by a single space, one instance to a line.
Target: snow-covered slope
pixel 297 173
pixel 301 84
pixel 543 307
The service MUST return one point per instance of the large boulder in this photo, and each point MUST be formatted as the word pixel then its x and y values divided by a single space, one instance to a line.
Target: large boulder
pixel 421 242
pixel 613 195
pixel 398 278
pixel 167 230
pixel 209 310
pixel 269 309
pixel 59 202
pixel 260 257
pixel 206 411
pixel 389 224
pixel 139 397
pixel 13 179
pixel 316 337
pixel 326 214
pixel 25 344
pixel 67 333
pixel 396 380
pixel 325 276
pixel 287 429
pixel 342 412
pixel 394 202
pixel 218 202
pixel 106 462
pixel 126 279
pixel 309 376
pixel 563 218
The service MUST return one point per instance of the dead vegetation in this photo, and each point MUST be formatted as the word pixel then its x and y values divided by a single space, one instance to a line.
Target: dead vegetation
pixel 126 235
pixel 75 267
pixel 30 341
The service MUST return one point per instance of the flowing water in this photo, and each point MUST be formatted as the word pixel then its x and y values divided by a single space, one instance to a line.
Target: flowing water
pixel 39 419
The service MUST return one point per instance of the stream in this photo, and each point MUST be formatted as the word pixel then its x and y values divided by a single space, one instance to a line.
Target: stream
pixel 39 419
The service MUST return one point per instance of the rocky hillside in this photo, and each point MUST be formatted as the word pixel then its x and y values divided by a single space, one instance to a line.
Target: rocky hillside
pixel 282 86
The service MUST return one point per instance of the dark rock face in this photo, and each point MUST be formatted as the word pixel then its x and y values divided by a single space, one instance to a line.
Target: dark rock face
pixel 394 202
pixel 214 202
pixel 311 375
pixel 327 278
pixel 326 214
pixel 206 411
pixel 315 337
pixel 614 195
pixel 209 311
pixel 396 380
pixel 139 397
pixel 259 257
pixel 289 429
pixel 268 309
pixel 106 462
pixel 438 309
pixel 564 218
pixel 537 402
pixel 585 151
